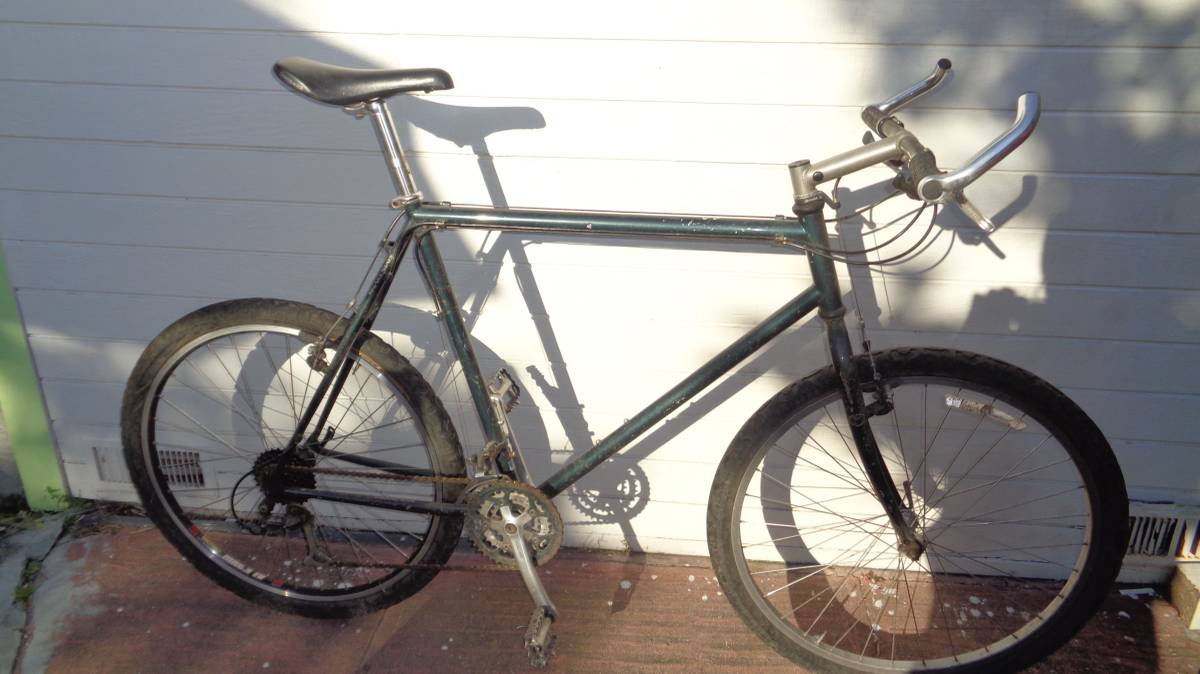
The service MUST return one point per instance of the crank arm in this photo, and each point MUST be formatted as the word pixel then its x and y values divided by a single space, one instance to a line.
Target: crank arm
pixel 539 640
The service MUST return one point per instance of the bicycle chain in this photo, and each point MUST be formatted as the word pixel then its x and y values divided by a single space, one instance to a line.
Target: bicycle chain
pixel 376 475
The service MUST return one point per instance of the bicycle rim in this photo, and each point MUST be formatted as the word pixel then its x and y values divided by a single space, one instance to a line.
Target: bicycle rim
pixel 230 397
pixel 995 492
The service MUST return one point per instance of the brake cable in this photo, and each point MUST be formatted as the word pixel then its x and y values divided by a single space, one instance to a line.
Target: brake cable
pixel 841 255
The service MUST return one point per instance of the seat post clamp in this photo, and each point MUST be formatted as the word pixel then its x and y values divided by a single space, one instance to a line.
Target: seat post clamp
pixel 404 200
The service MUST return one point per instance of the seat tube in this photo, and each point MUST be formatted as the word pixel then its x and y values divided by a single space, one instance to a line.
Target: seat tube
pixel 832 312
pixel 433 270
pixel 393 153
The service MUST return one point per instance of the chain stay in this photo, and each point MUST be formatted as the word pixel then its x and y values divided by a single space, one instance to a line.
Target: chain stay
pixel 376 475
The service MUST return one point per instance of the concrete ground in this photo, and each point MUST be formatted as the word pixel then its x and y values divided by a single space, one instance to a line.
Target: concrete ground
pixel 118 598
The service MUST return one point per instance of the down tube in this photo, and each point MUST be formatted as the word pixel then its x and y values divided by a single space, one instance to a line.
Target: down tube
pixel 723 362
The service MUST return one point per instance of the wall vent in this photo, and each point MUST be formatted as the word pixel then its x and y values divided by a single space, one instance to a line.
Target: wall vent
pixel 1189 540
pixel 1164 531
pixel 181 467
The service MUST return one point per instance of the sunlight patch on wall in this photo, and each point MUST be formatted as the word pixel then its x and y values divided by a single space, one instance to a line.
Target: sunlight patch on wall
pixel 1118 11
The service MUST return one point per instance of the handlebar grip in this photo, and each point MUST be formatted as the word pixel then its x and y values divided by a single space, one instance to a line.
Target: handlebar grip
pixel 923 165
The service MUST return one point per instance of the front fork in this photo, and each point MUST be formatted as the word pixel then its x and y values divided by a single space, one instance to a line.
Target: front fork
pixel 858 412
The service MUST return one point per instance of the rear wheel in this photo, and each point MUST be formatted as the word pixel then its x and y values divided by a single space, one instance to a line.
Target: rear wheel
pixel 207 412
pixel 1015 493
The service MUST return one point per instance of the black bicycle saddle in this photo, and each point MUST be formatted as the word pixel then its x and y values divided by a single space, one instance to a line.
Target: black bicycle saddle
pixel 347 86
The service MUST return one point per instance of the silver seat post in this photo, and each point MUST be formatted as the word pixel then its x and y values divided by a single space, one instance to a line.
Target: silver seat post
pixel 389 142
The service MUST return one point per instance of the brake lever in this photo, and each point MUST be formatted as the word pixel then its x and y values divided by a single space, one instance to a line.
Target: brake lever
pixel 905 184
pixel 969 209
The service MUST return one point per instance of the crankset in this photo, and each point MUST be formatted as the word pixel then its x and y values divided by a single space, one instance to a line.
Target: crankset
pixel 488 527
pixel 515 525
pixel 511 523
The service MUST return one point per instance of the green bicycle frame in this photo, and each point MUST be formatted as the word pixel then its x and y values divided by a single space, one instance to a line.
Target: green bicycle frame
pixel 427 217
pixel 420 220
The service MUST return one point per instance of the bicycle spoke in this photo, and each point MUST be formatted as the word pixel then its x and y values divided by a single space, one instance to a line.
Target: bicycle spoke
pixel 206 429
pixel 256 423
pixel 343 437
pixel 806 577
pixel 938 482
pixel 856 566
pixel 809 499
pixel 824 502
pixel 275 370
pixel 237 389
pixel 947 525
pixel 353 404
pixel 853 454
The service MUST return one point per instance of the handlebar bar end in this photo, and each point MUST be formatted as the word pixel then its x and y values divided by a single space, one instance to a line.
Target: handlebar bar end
pixel 915 90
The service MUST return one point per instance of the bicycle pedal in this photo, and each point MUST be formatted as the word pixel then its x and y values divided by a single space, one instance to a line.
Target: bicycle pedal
pixel 505 389
pixel 539 637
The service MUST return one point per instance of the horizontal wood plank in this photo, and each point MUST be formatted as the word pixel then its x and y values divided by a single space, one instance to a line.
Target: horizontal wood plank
pixel 1080 313
pixel 1065 142
pixel 1127 366
pixel 1025 201
pixel 1159 23
pixel 850 75
pixel 1145 415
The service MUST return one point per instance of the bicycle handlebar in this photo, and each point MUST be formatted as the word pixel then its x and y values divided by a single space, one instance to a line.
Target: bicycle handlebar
pixel 897 144
pixel 930 183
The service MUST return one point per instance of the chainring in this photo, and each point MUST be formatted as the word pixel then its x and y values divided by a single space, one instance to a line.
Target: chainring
pixel 485 523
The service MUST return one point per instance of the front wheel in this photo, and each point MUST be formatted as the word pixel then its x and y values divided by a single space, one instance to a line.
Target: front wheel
pixel 207 413
pixel 1015 494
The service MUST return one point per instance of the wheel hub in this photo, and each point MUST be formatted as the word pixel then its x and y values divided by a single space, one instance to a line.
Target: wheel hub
pixel 540 523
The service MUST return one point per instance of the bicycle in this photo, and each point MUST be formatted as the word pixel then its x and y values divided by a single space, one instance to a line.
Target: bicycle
pixel 909 508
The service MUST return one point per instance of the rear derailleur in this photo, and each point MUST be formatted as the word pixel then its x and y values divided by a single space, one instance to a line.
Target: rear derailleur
pixel 274 472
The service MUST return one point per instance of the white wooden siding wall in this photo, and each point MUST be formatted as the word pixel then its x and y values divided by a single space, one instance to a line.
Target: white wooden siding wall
pixel 151 165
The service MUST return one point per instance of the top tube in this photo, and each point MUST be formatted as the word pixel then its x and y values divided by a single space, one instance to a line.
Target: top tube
pixel 778 229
